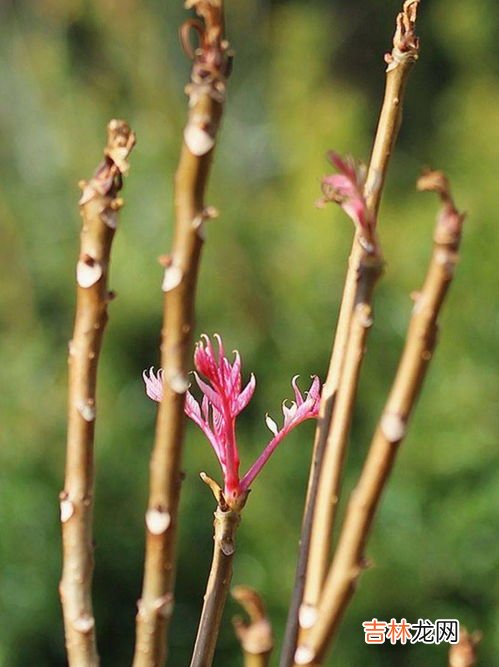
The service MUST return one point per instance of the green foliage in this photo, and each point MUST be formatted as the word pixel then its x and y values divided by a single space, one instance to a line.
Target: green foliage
pixel 307 77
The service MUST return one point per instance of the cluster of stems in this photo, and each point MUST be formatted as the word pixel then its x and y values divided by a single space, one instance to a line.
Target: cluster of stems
pixel 325 580
pixel 349 559
pixel 355 318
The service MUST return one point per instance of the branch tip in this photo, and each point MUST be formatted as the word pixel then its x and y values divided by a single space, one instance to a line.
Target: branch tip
pixel 107 179
pixel 215 489
pixel 405 41
pixel 464 653
pixel 450 220
pixel 251 602
pixel 434 181
pixel 255 636
pixel 120 141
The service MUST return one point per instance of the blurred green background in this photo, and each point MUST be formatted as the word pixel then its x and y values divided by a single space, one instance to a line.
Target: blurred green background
pixel 308 76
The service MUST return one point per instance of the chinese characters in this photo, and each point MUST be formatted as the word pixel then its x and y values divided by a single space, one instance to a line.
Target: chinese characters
pixel 424 631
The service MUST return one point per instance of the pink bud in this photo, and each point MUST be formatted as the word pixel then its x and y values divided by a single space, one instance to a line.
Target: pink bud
pixel 223 400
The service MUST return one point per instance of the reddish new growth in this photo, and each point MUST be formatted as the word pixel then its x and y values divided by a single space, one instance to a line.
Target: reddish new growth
pixel 223 399
pixel 346 188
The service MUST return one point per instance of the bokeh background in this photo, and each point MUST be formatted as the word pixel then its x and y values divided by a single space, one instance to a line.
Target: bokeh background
pixel 308 76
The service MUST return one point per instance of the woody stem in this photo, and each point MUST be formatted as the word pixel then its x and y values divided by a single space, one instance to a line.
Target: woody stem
pixel 313 559
pixel 99 205
pixel 217 588
pixel 207 94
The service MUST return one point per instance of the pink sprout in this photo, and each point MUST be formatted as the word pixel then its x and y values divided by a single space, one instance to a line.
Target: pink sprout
pixel 154 384
pixel 223 399
pixel 346 188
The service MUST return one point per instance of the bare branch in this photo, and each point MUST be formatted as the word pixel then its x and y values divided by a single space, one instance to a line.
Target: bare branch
pixel 99 205
pixel 206 91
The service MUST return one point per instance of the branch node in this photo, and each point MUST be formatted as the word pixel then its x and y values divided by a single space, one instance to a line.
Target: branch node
pixel 393 427
pixel 158 520
pixel 173 277
pixel 165 261
pixel 304 655
pixel 164 605
pixel 307 615
pixel 66 506
pixel 86 408
pixel 84 624
pixel 88 271
pixel 363 312
pixel 226 522
pixel 178 381
pixel 109 216
pixel 197 138
pixel 208 213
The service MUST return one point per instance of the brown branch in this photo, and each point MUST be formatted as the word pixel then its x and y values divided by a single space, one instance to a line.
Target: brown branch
pixel 99 205
pixel 328 489
pixel 256 636
pixel 349 558
pixel 464 653
pixel 226 523
pixel 404 53
pixel 206 97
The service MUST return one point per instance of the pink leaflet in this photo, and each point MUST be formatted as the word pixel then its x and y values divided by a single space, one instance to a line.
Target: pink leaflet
pixel 154 384
pixel 307 408
pixel 192 410
pixel 225 401
pixel 347 189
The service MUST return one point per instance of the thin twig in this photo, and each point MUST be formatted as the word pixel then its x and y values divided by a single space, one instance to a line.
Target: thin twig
pixel 256 636
pixel 405 42
pixel 99 205
pixel 349 560
pixel 226 523
pixel 206 98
